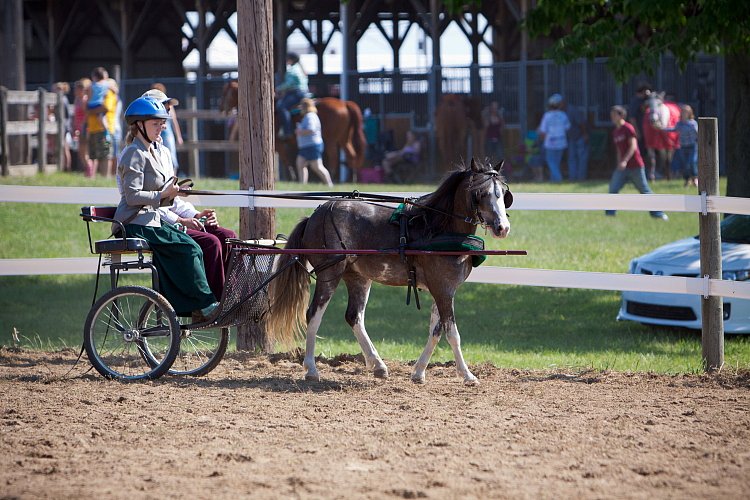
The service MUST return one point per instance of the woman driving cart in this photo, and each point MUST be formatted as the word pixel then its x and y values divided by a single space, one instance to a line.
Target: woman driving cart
pixel 145 181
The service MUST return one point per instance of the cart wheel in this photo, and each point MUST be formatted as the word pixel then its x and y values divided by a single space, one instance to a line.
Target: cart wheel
pixel 117 336
pixel 200 350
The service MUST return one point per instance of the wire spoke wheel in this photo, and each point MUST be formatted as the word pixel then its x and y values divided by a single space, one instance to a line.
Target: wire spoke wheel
pixel 200 350
pixel 118 336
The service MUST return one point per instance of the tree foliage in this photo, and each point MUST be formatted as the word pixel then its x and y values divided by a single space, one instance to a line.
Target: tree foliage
pixel 634 33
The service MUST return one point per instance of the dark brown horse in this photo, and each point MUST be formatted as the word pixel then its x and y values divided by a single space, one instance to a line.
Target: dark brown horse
pixel 468 197
pixel 458 118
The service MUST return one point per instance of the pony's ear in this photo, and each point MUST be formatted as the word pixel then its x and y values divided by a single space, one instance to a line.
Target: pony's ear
pixel 499 165
pixel 508 198
pixel 474 167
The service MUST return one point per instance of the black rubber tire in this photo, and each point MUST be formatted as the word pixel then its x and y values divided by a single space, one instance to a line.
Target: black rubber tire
pixel 114 336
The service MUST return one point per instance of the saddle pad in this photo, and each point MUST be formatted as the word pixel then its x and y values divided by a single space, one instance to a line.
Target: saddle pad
pixel 453 242
pixel 448 242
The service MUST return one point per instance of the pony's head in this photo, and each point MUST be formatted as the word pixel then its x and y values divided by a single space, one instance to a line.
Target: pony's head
pixel 476 195
pixel 656 112
pixel 489 197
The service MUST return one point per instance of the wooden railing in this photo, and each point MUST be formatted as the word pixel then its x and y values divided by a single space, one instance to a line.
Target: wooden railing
pixel 39 127
pixel 193 145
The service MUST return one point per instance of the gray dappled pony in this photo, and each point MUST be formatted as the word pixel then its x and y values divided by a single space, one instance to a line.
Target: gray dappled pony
pixel 467 197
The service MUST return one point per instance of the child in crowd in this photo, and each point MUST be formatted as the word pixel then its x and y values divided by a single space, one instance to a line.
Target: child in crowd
pixel 101 83
pixel 629 159
pixel 686 158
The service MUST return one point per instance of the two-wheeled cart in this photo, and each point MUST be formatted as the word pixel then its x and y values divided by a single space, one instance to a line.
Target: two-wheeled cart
pixel 133 333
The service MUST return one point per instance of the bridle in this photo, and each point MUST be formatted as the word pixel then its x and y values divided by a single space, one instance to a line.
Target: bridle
pixel 493 176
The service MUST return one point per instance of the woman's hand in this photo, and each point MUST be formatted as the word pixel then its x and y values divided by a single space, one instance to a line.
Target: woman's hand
pixel 170 191
pixel 210 215
pixel 191 223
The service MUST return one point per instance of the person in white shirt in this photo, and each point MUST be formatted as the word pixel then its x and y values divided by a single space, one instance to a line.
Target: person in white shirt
pixel 554 129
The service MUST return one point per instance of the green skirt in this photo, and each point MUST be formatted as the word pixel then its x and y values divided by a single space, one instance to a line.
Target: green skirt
pixel 179 260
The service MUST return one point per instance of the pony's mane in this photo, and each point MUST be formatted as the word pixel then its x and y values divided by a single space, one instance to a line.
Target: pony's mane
pixel 438 207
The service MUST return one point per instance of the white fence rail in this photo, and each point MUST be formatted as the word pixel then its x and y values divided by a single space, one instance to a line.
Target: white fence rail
pixel 484 274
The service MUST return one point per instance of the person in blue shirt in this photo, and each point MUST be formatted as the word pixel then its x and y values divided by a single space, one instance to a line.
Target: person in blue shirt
pixel 686 158
pixel 310 144
pixel 291 91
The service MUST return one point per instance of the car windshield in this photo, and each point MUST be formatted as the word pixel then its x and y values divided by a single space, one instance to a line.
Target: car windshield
pixel 736 229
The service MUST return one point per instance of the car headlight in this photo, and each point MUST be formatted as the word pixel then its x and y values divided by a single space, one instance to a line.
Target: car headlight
pixel 736 275
pixel 633 266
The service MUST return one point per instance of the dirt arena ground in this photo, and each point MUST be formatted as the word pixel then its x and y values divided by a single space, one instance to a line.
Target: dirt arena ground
pixel 253 428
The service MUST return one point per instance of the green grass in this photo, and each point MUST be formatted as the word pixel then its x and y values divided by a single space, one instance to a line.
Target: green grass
pixel 509 326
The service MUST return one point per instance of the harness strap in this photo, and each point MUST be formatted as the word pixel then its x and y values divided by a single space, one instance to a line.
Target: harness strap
pixel 411 282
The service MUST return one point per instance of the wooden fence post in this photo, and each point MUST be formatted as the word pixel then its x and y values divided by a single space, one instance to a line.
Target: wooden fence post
pixel 194 153
pixel 710 245
pixel 41 148
pixel 5 153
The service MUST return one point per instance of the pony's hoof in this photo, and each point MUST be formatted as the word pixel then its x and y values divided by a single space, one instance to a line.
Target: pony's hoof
pixel 312 377
pixel 381 373
pixel 471 382
pixel 417 379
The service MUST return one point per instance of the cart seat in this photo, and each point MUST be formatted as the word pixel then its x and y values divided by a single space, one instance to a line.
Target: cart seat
pixel 121 245
pixel 117 246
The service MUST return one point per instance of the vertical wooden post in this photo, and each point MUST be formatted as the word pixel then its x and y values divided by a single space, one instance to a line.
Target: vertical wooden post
pixel 255 48
pixel 193 155
pixel 4 154
pixel 60 112
pixel 712 309
pixel 41 148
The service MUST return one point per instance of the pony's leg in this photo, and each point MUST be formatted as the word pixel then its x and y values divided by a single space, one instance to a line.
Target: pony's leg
pixel 359 292
pixel 321 299
pixel 432 341
pixel 454 339
pixel 447 323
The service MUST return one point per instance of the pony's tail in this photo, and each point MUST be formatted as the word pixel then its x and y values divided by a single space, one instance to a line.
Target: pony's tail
pixel 289 293
pixel 359 143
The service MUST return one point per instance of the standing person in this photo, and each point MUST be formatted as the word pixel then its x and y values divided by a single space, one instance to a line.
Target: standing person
pixel 492 118
pixel 172 135
pixel 117 130
pixel 80 105
pixel 686 157
pixel 636 111
pixel 63 89
pixel 100 123
pixel 310 144
pixel 145 183
pixel 291 91
pixel 553 129
pixel 629 160
pixel 578 143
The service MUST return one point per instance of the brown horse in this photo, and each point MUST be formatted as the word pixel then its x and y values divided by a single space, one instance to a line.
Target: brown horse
pixel 342 127
pixel 456 119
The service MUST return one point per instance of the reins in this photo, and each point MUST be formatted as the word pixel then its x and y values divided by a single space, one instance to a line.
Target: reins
pixel 355 195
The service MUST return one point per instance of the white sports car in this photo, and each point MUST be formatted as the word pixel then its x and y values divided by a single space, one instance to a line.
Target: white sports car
pixel 682 258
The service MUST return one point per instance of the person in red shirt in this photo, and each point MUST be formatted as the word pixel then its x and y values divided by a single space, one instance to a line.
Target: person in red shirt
pixel 629 160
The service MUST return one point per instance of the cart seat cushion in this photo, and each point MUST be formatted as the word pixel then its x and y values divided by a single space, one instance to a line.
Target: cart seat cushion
pixel 128 245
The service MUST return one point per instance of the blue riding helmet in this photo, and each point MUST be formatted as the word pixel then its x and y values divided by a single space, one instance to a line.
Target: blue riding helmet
pixel 145 108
